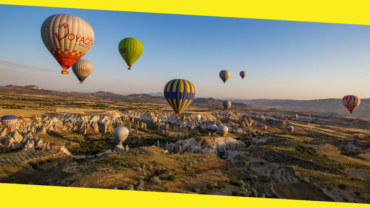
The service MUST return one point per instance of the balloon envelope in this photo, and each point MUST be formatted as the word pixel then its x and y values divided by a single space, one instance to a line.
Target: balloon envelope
pixel 243 74
pixel 290 128
pixel 226 104
pixel 224 75
pixel 120 133
pixel 130 50
pixel 82 69
pixel 179 93
pixel 212 128
pixel 9 120
pixel 197 117
pixel 223 130
pixel 264 127
pixel 68 38
pixel 351 102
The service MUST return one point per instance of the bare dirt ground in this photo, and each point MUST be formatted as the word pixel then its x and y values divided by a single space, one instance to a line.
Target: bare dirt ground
pixel 327 131
pixel 21 112
pixel 302 191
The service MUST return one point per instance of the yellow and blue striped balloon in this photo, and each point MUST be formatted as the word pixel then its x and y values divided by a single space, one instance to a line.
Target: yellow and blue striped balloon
pixel 179 93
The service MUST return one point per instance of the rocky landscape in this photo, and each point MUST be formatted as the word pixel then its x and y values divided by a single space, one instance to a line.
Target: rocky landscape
pixel 326 158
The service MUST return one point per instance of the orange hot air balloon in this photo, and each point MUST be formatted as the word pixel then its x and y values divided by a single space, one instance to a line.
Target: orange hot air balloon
pixel 68 38
pixel 351 102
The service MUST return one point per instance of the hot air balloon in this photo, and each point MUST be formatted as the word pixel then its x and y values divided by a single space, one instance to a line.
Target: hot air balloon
pixel 224 75
pixel 120 133
pixel 130 50
pixel 179 93
pixel 212 128
pixel 226 104
pixel 351 102
pixel 197 117
pixel 223 130
pixel 264 127
pixel 290 128
pixel 296 116
pixel 68 38
pixel 9 120
pixel 82 69
pixel 243 74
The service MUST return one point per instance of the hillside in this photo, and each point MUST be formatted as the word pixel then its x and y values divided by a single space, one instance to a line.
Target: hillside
pixel 214 103
pixel 12 90
pixel 332 105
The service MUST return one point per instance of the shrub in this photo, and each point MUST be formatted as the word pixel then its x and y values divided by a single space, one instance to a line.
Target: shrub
pixel 300 148
pixel 193 190
pixel 178 158
pixel 311 151
pixel 165 189
pixel 33 165
pixel 235 193
pixel 329 188
pixel 353 179
pixel 203 190
pixel 171 178
pixel 210 186
pixel 156 180
pixel 221 185
pixel 345 199
pixel 140 187
pixel 358 193
pixel 342 186
pixel 235 183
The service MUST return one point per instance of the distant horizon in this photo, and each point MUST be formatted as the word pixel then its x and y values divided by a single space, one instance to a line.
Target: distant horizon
pixel 284 60
pixel 162 93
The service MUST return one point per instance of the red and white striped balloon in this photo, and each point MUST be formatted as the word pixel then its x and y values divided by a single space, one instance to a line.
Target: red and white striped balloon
pixel 351 102
pixel 290 128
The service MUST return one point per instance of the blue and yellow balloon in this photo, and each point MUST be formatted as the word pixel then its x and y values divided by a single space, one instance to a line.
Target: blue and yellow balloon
pixel 9 121
pixel 179 93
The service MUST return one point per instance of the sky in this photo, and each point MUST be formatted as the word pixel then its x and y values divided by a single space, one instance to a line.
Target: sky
pixel 283 59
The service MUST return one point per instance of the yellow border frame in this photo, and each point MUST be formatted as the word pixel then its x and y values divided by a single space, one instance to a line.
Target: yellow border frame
pixel 327 11
pixel 343 12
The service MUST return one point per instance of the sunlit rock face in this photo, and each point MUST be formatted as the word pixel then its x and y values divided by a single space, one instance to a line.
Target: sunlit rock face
pixel 215 145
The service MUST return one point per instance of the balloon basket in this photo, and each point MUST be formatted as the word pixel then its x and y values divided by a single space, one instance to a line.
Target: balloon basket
pixel 81 82
pixel 65 72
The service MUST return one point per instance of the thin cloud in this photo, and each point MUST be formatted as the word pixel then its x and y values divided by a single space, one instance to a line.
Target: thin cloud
pixel 110 81
pixel 22 68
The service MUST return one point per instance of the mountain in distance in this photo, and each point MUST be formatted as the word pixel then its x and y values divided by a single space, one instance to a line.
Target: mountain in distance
pixel 143 98
pixel 216 103
pixel 331 105
pixel 155 94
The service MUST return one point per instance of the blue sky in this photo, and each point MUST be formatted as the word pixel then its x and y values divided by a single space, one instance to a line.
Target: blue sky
pixel 283 59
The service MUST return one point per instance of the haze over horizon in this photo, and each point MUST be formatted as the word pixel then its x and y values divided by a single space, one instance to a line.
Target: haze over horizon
pixel 283 59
